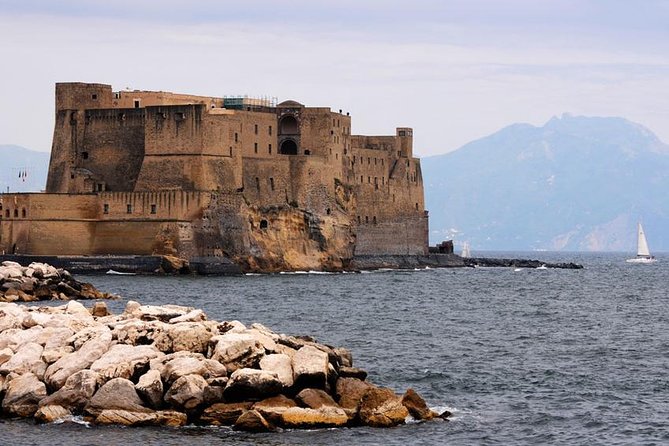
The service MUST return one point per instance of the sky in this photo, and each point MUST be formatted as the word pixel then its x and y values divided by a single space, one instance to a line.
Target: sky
pixel 454 70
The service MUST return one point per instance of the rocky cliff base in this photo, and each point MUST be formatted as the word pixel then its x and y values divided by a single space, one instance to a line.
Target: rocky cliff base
pixel 170 365
pixel 39 281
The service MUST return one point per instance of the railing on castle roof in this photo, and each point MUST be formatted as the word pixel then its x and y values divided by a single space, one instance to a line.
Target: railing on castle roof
pixel 239 102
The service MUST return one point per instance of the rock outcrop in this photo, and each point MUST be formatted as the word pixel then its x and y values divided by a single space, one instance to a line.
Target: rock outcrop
pixel 39 281
pixel 169 365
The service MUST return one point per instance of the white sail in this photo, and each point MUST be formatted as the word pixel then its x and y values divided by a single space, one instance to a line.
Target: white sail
pixel 641 243
pixel 642 251
pixel 465 250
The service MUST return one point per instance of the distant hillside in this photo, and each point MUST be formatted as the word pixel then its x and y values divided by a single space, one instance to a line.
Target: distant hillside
pixel 22 170
pixel 575 184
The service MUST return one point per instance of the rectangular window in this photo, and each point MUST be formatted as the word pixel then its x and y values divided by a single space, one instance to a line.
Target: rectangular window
pixel 129 209
pixel 255 147
pixel 105 208
pixel 270 130
pixel 153 208
pixel 136 103
pixel 271 183
pixel 95 96
pixel 255 129
pixel 236 137
pixel 257 183
pixel 270 148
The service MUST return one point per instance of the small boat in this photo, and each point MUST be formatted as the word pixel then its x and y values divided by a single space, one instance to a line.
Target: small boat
pixel 465 251
pixel 642 251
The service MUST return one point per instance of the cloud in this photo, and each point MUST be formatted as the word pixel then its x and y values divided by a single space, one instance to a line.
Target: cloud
pixel 454 71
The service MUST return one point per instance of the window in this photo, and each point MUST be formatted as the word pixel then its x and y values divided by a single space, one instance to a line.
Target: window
pixel 236 137
pixel 270 130
pixel 366 219
pixel 16 213
pixel 403 133
pixel 94 97
pixel 416 206
pixel 359 220
pixel 23 213
pixel 136 103
pixel 84 155
pixel 374 219
pixel 263 224
pixel 257 183
pixel 271 183
pixel 105 208
pixel 255 147
pixel 153 208
pixel 270 148
pixel 129 209
pixel 255 129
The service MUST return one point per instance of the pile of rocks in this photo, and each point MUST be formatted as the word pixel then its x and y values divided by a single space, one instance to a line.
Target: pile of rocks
pixel 170 365
pixel 39 281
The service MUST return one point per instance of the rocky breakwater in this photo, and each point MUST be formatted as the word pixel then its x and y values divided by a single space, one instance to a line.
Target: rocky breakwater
pixel 170 365
pixel 39 281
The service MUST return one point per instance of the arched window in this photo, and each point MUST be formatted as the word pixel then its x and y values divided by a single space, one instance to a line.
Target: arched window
pixel 288 125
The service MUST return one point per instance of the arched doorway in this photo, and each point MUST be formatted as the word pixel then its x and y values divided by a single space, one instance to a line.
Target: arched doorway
pixel 288 147
pixel 288 125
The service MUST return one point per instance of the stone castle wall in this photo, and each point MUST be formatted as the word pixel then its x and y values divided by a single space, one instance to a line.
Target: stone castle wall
pixel 136 171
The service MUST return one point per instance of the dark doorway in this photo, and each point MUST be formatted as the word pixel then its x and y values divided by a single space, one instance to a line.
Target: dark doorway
pixel 288 147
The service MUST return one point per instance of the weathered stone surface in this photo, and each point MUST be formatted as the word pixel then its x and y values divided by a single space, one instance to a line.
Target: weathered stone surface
pixel 191 316
pixel 252 421
pixel 315 399
pixel 28 358
pixel 191 364
pixel 272 408
pixel 117 393
pixel 22 395
pixel 150 388
pixel 352 372
pixel 169 418
pixel 349 392
pixel 56 345
pixel 51 413
pixel 184 336
pixel 345 356
pixel 280 364
pixel 99 309
pixel 224 414
pixel 252 384
pixel 310 367
pixel 16 337
pixel 6 354
pixel 237 350
pixel 416 406
pixel 159 313
pixel 187 392
pixel 76 392
pixel 308 418
pixel 380 407
pixel 125 417
pixel 123 361
pixel 58 372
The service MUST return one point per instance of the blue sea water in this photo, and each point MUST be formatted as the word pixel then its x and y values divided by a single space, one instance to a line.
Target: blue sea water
pixel 520 356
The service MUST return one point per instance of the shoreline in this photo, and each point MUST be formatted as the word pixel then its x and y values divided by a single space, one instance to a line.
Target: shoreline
pixel 161 265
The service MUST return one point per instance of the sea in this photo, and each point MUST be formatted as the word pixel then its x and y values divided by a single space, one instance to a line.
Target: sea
pixel 520 356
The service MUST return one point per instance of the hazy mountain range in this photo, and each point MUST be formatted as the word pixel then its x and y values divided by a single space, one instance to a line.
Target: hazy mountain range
pixel 577 183
pixel 22 170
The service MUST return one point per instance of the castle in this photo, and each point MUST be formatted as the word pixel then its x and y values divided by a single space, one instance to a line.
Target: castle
pixel 269 186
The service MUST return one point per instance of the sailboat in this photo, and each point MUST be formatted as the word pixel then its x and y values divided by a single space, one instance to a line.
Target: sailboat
pixel 642 251
pixel 465 250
